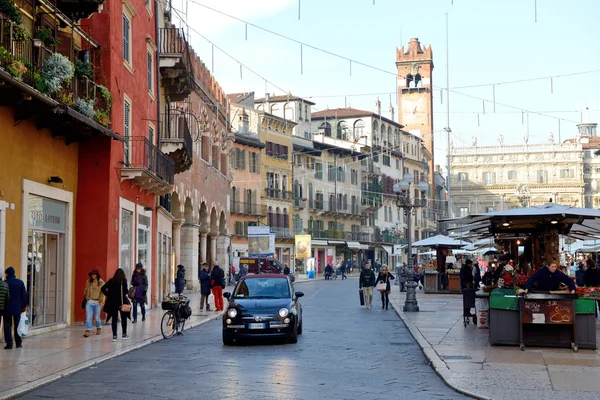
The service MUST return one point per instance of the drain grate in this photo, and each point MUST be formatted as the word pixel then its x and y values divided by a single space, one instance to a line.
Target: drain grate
pixel 456 357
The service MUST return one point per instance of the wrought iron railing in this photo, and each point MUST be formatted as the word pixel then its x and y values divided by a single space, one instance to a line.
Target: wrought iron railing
pixel 141 153
pixel 240 207
pixel 175 128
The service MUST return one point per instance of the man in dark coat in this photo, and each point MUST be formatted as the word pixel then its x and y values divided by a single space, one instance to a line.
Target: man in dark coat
pixel 204 277
pixel 217 282
pixel 180 279
pixel 13 309
pixel 466 275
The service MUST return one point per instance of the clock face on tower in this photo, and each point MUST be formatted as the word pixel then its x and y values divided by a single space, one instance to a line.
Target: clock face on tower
pixel 414 111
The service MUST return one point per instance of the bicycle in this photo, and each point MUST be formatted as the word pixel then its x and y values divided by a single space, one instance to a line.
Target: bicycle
pixel 177 312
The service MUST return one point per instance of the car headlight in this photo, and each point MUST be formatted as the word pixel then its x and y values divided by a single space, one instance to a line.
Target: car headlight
pixel 232 312
pixel 284 312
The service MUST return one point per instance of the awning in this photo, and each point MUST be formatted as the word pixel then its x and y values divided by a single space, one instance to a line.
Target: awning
pixel 334 242
pixel 356 246
pixel 318 242
pixel 388 249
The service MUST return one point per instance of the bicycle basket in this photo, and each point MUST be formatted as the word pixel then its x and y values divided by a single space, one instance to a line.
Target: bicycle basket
pixel 169 305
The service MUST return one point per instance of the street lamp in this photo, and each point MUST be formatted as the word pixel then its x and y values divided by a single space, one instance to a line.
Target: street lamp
pixel 409 206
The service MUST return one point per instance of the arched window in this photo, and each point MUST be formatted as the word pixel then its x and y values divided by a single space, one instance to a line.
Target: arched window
pixel 297 224
pixel 359 129
pixel 288 111
pixel 310 224
pixel 286 220
pixel 234 201
pixel 389 136
pixel 310 195
pixel 410 81
pixel 417 80
pixel 277 221
pixel 342 130
pixel 276 109
pixel 325 129
pixel 270 216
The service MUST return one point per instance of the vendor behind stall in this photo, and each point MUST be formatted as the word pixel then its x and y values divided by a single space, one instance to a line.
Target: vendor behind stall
pixel 549 278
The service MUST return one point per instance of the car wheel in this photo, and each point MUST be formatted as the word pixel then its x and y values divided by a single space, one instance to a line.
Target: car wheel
pixel 294 337
pixel 227 339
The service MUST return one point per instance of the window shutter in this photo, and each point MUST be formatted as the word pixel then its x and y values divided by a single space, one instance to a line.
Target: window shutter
pixel 125 38
pixel 150 68
pixel 243 161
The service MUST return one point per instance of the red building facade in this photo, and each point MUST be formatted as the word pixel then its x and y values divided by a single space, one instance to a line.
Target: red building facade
pixel 120 181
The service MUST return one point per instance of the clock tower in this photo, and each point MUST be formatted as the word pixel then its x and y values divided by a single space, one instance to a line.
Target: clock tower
pixel 415 96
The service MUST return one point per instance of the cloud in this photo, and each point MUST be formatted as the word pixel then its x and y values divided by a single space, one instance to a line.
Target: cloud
pixel 210 22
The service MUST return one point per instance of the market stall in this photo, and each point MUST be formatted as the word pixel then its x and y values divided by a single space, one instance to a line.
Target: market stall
pixel 527 240
pixel 437 277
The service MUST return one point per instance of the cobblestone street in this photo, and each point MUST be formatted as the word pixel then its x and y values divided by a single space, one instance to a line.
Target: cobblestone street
pixel 345 353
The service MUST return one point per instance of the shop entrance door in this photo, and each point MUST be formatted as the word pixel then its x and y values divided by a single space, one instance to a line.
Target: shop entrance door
pixel 45 293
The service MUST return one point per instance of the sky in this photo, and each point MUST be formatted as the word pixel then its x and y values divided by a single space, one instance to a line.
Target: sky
pixel 490 42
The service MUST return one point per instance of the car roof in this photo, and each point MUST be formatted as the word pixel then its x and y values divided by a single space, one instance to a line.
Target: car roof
pixel 275 276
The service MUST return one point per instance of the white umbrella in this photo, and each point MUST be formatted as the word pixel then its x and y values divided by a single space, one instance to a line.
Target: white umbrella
pixel 440 241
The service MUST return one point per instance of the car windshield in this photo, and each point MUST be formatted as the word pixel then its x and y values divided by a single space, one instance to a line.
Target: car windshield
pixel 262 288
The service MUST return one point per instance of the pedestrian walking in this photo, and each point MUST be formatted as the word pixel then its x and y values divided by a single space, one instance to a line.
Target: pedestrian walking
pixel 4 294
pixel 476 275
pixel 16 305
pixel 205 286
pixel 343 270
pixel 366 283
pixel 94 300
pixel 328 272
pixel 286 270
pixel 385 277
pixel 139 281
pixel 117 303
pixel 217 283
pixel 402 278
pixel 180 279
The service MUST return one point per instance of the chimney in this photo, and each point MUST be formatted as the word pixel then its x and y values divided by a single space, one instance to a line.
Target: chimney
pixel 391 112
pixel 244 125
pixel 378 107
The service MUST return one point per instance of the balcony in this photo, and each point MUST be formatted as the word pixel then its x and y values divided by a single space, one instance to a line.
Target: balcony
pixel 370 169
pixel 358 236
pixel 76 108
pixel 175 64
pixel 282 233
pixel 278 194
pixel 326 234
pixel 242 208
pixel 300 203
pixel 78 9
pixel 147 166
pixel 176 140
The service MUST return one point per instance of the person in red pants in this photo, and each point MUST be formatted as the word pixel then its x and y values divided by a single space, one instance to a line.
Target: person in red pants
pixel 217 284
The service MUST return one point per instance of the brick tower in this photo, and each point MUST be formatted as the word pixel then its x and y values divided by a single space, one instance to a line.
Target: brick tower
pixel 415 95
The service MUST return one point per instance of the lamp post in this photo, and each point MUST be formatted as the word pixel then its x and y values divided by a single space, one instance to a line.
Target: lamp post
pixel 410 206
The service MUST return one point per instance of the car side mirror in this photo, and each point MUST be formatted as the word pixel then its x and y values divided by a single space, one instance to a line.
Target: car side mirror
pixel 227 295
pixel 299 294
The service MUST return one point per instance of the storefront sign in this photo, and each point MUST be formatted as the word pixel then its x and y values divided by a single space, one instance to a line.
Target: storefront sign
pixel 303 249
pixel 46 214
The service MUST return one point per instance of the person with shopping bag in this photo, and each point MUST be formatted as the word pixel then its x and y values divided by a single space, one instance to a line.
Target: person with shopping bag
pixel 16 306
pixel 383 286
pixel 365 285
pixel 117 302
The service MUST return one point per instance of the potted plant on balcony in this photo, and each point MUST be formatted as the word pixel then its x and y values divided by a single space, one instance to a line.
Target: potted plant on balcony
pixel 46 35
pixel 20 34
pixel 85 107
pixel 13 66
pixel 8 10
pixel 84 68
pixel 56 70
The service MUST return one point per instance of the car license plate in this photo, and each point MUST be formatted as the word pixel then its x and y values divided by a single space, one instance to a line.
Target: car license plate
pixel 256 326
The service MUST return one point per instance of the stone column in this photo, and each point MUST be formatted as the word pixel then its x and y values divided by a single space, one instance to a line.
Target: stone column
pixel 223 242
pixel 213 251
pixel 177 240
pixel 189 255
pixel 203 244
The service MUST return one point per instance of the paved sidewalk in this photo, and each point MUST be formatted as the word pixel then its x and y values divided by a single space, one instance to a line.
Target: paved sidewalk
pixel 465 360
pixel 50 356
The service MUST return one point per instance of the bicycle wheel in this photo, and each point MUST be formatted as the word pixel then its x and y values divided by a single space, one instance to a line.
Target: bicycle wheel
pixel 180 326
pixel 168 325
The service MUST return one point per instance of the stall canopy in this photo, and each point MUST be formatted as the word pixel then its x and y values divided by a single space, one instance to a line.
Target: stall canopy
pixel 441 241
pixel 576 222
pixel 388 249
pixel 356 246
